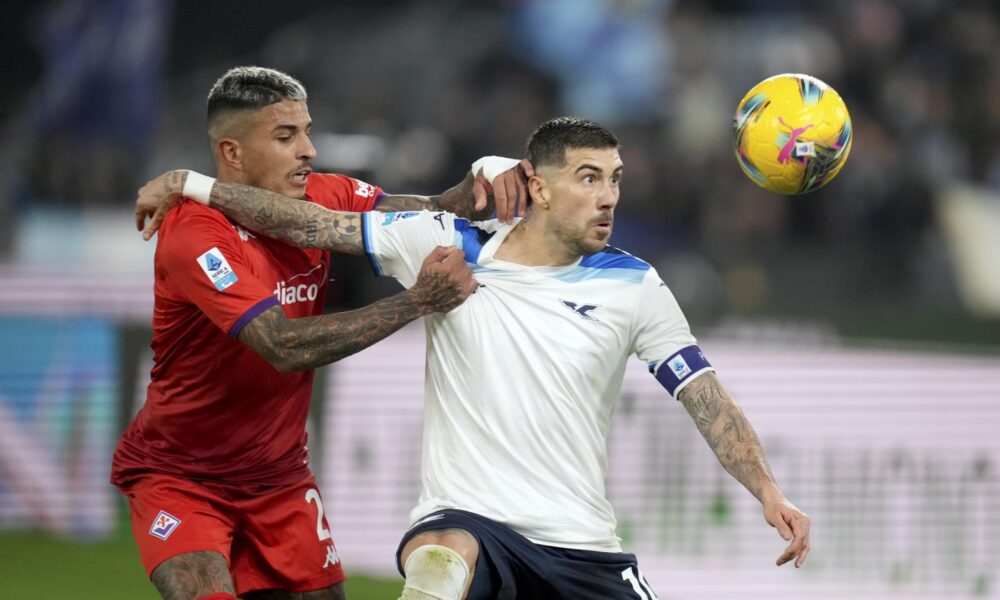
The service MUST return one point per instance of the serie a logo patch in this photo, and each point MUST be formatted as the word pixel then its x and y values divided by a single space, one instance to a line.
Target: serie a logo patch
pixel 391 217
pixel 679 367
pixel 217 268
pixel 163 525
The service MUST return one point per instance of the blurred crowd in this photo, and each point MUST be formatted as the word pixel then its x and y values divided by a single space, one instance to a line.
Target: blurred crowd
pixel 407 94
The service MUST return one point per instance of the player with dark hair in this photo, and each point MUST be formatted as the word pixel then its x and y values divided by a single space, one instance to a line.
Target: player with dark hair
pixel 513 502
pixel 215 465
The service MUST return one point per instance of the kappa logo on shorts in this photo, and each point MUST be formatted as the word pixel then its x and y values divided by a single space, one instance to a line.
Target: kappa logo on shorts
pixel 163 525
pixel 332 558
pixel 215 265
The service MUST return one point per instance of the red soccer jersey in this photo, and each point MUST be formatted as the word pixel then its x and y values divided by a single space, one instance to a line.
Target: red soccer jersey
pixel 215 409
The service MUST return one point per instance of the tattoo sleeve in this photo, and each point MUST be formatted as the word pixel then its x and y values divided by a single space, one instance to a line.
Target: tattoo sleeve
pixel 457 200
pixel 400 203
pixel 310 342
pixel 728 433
pixel 302 224
pixel 174 182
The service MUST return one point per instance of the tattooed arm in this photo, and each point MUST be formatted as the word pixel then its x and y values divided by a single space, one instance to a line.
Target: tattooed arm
pixel 300 223
pixel 310 342
pixel 727 431
pixel 476 197
pixel 459 200
pixel 443 283
pixel 734 441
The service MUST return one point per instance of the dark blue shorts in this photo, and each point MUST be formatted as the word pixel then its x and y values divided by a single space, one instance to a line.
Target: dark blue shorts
pixel 510 566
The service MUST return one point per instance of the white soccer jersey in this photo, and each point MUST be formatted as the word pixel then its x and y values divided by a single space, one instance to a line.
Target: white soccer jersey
pixel 523 377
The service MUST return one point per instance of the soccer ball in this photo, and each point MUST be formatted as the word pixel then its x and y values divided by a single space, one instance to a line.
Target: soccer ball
pixel 791 133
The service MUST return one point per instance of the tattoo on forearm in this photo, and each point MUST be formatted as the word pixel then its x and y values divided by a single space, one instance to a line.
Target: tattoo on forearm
pixel 312 228
pixel 299 223
pixel 727 431
pixel 457 200
pixel 192 575
pixel 174 182
pixel 400 203
pixel 460 201
pixel 310 342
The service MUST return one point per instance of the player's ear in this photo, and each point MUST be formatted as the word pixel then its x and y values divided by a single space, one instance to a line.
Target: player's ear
pixel 230 153
pixel 539 191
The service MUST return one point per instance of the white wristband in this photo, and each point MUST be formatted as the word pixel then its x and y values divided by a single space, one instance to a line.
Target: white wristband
pixel 198 187
pixel 493 166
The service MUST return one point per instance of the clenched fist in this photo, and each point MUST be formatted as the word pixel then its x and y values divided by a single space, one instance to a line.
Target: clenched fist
pixel 444 281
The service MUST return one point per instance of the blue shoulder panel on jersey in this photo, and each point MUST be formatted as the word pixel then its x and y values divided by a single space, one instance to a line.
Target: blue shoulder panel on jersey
pixel 473 239
pixel 613 258
pixel 610 263
pixel 366 238
pixel 584 273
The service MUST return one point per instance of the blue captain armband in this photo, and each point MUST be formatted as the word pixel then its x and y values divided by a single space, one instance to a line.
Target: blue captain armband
pixel 682 366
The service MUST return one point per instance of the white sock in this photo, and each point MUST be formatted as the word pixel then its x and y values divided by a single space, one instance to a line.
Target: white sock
pixel 434 573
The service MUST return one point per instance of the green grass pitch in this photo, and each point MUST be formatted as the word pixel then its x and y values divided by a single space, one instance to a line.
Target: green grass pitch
pixel 38 566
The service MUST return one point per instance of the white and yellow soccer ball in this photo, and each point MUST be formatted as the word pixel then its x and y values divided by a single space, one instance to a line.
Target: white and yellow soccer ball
pixel 791 133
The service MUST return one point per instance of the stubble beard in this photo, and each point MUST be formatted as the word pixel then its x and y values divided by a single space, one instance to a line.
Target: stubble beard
pixel 578 244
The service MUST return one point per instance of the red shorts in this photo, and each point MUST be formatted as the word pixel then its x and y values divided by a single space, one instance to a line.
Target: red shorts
pixel 272 538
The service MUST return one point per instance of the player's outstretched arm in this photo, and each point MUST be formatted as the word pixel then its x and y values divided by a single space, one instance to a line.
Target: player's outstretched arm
pixel 443 283
pixel 301 224
pixel 493 184
pixel 734 441
pixel 492 178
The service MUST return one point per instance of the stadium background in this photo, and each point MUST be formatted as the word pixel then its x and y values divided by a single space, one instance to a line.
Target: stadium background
pixel 859 326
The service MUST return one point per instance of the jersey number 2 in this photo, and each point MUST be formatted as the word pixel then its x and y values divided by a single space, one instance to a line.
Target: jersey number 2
pixel 322 532
pixel 639 584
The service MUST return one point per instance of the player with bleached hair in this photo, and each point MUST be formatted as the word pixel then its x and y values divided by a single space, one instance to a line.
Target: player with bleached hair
pixel 523 379
pixel 215 465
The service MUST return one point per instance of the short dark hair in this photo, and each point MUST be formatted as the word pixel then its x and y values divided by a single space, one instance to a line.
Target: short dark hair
pixel 548 144
pixel 246 88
